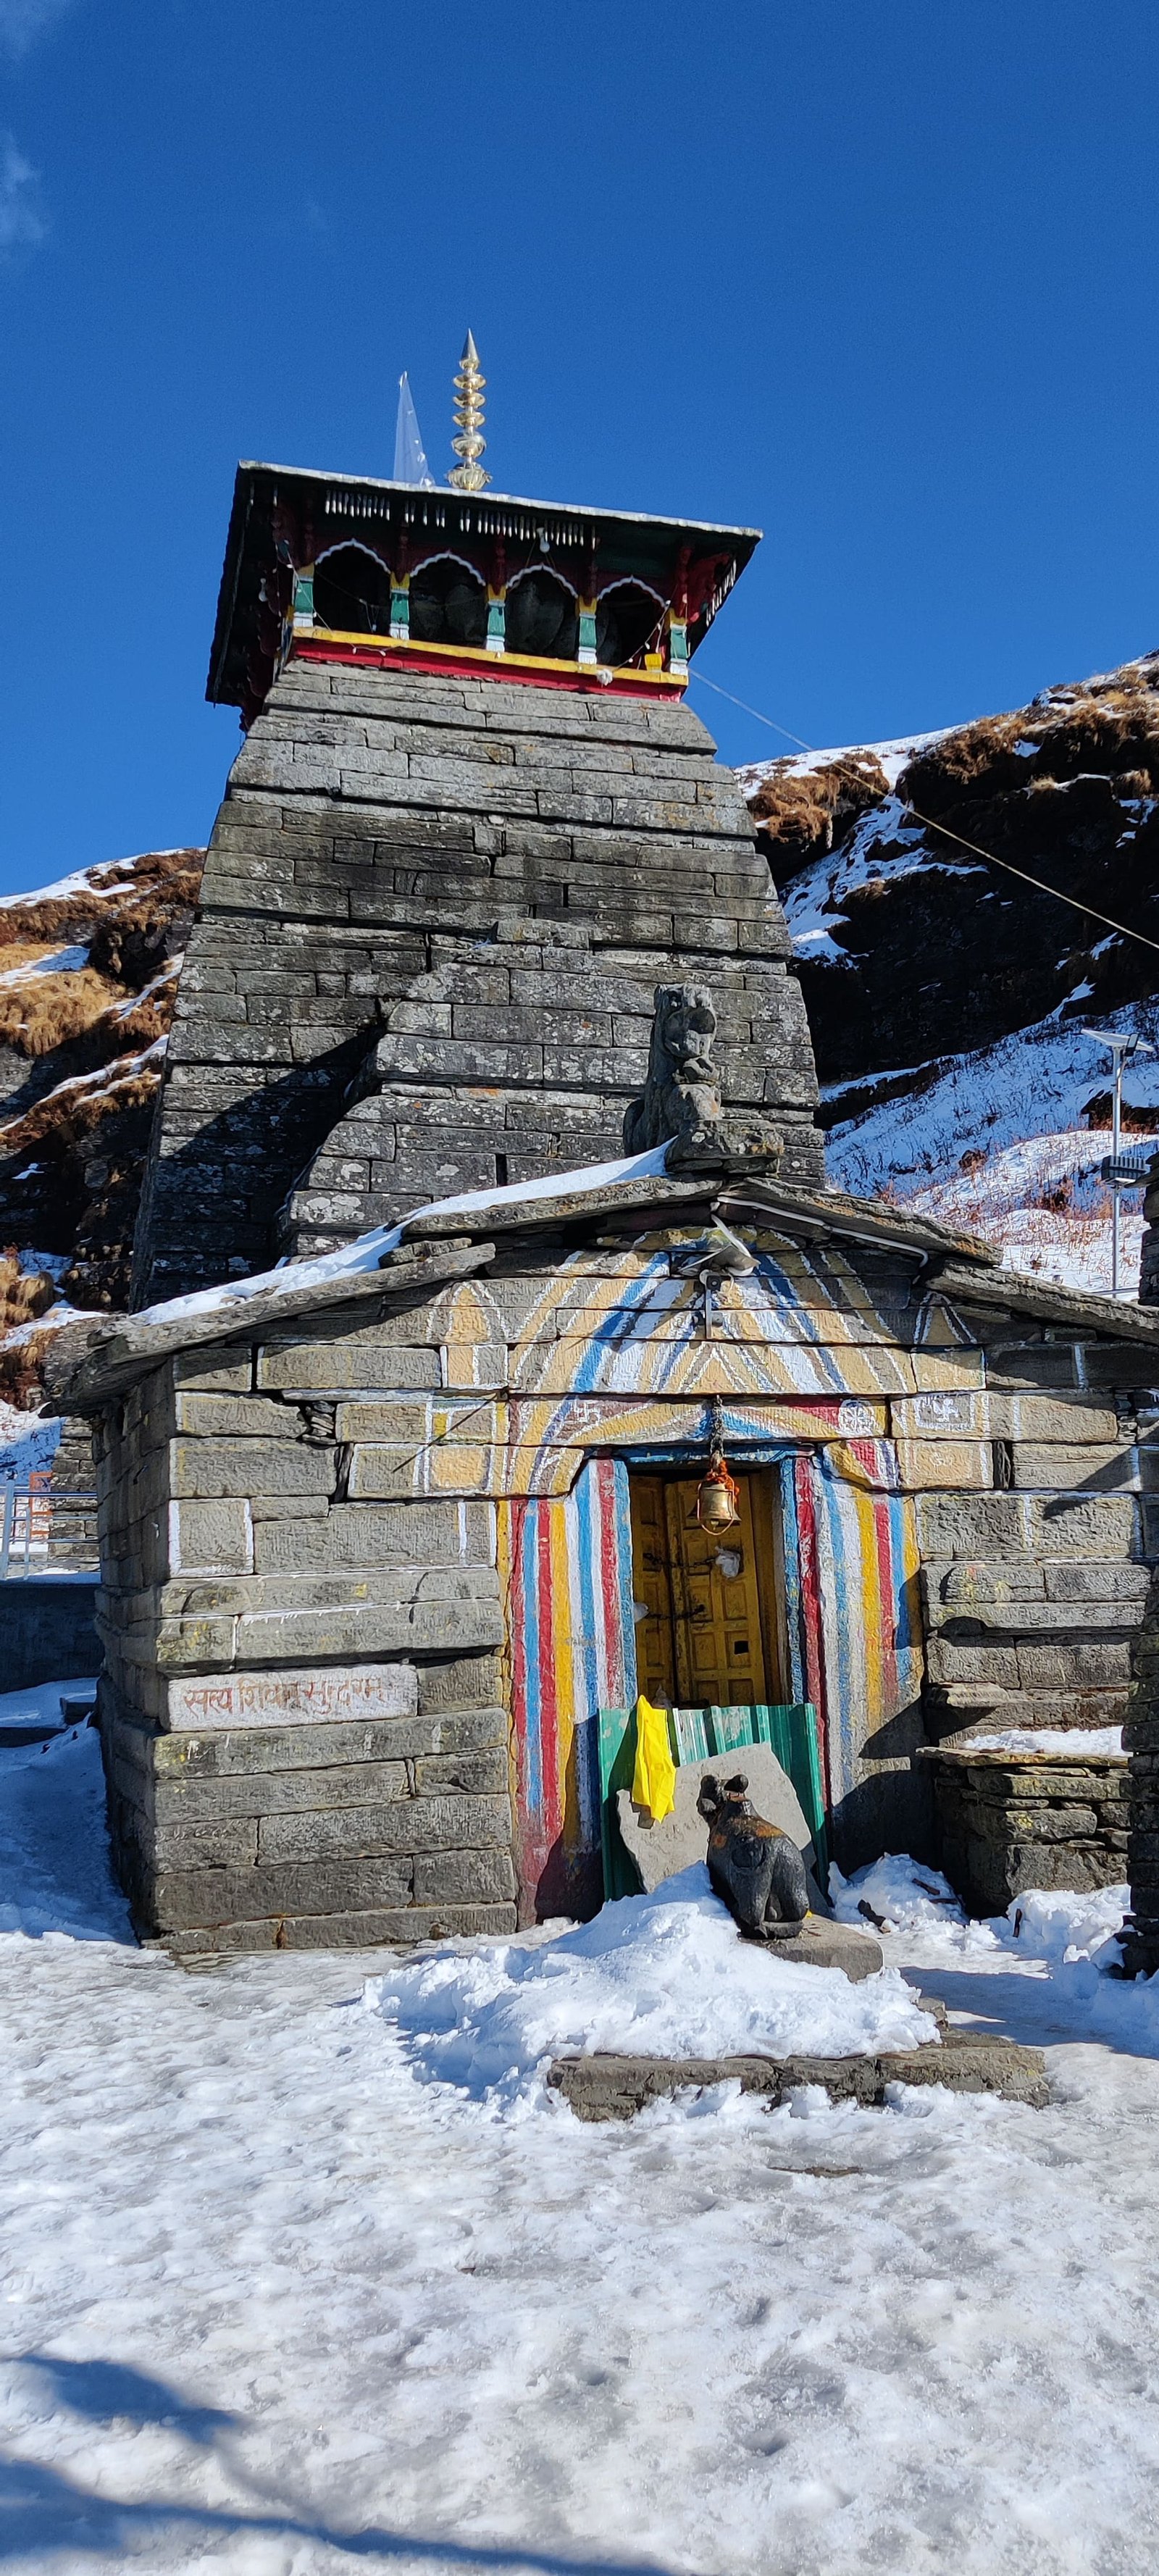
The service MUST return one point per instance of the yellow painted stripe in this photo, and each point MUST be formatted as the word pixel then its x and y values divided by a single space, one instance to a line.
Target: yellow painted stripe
pixel 479 653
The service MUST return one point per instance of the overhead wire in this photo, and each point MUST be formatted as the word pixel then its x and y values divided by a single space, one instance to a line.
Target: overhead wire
pixel 1090 911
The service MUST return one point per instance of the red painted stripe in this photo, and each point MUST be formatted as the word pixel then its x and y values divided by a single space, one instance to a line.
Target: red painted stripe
pixel 548 1708
pixel 811 1614
pixel 663 690
pixel 610 1580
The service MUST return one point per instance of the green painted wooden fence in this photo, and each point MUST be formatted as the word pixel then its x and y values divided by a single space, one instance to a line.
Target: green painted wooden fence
pixel 703 1735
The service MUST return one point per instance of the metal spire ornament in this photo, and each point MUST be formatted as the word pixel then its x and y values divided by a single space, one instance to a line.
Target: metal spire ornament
pixel 469 445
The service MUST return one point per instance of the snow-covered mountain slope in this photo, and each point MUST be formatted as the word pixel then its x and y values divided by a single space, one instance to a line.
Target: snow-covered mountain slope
pixel 88 978
pixel 948 998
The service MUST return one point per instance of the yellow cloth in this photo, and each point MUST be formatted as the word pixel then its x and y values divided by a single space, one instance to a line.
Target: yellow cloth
pixel 654 1778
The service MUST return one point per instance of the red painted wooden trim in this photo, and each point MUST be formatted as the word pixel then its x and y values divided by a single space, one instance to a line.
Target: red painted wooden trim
pixel 492 666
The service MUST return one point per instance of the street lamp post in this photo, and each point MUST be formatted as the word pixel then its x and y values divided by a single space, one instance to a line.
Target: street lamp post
pixel 1121 1051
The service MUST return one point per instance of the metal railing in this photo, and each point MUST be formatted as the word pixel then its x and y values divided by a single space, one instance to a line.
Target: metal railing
pixel 45 1531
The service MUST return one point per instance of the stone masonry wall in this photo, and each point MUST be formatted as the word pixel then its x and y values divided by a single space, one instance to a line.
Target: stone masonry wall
pixel 1141 1739
pixel 293 1756
pixel 1009 1821
pixel 435 910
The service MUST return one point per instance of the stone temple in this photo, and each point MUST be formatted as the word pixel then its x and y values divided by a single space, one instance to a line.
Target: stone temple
pixel 490 1003
pixel 472 826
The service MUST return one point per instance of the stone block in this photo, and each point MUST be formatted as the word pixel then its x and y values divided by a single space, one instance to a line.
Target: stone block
pixel 236 1416
pixel 992 1525
pixel 433 1824
pixel 460 1682
pixel 396 1928
pixel 477 1774
pixel 1046 1420
pixel 332 1695
pixel 458 1877
pixel 203 1469
pixel 215 1537
pixel 229 1841
pixel 410 1627
pixel 402 1533
pixel 1056 1465
pixel 353 1748
pixel 945 1462
pixel 342 1368
pixel 1082 1667
pixel 187 1798
pixel 183 1899
pixel 606 2087
pixel 196 1372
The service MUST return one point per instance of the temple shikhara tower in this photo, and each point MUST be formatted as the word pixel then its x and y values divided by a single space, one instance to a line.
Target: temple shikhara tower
pixel 472 826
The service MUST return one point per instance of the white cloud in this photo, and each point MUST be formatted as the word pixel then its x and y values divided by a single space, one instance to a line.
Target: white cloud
pixel 22 21
pixel 21 222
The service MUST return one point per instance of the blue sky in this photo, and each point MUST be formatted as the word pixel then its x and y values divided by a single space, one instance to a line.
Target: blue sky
pixel 878 276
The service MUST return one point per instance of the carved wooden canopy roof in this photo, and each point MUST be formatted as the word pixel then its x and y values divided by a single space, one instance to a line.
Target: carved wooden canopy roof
pixel 288 525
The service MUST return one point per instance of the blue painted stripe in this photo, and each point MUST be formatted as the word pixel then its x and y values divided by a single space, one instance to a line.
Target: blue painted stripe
pixel 584 1503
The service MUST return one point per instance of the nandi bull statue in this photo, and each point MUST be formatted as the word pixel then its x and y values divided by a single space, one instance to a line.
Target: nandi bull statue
pixel 753 1865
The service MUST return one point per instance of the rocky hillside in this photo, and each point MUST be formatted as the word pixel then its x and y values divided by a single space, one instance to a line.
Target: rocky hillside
pixel 947 998
pixel 88 977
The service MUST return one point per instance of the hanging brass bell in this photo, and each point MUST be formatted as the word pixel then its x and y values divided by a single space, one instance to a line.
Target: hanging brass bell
pixel 717 1497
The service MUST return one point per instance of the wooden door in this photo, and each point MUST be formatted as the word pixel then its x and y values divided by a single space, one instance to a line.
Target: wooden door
pixel 708 1634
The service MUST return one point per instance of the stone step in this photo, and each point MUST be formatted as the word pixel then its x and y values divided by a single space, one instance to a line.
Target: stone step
pixel 607 2087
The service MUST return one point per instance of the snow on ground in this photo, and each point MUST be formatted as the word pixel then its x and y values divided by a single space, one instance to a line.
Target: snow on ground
pixel 813 902
pixel 1071 1742
pixel 656 1976
pixel 275 2305
pixel 28 1442
pixel 893 756
pixel 56 961
pixel 117 874
pixel 1019 1106
pixel 39 1704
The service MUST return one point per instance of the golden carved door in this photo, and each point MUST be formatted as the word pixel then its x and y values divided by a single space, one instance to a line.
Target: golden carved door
pixel 706 1633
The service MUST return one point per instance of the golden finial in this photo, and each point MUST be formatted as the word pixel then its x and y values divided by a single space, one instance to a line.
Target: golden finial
pixel 469 383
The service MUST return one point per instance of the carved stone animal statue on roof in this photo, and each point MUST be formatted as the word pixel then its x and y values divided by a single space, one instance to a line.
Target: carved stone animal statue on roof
pixel 681 1096
pixel 680 1105
pixel 753 1865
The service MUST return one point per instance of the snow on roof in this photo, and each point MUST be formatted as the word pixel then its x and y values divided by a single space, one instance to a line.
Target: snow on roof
pixel 368 1250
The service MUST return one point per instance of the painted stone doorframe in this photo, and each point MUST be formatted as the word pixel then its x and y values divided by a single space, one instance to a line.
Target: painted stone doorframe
pixel 565 1561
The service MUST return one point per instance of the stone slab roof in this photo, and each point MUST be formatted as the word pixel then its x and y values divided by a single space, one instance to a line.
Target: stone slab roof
pixel 93 1361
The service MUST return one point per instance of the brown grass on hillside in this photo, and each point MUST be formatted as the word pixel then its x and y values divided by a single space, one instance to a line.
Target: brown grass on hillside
pixel 47 1010
pixel 168 879
pixel 22 1369
pixel 1108 728
pixel 150 1016
pixel 806 814
pixel 24 1294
